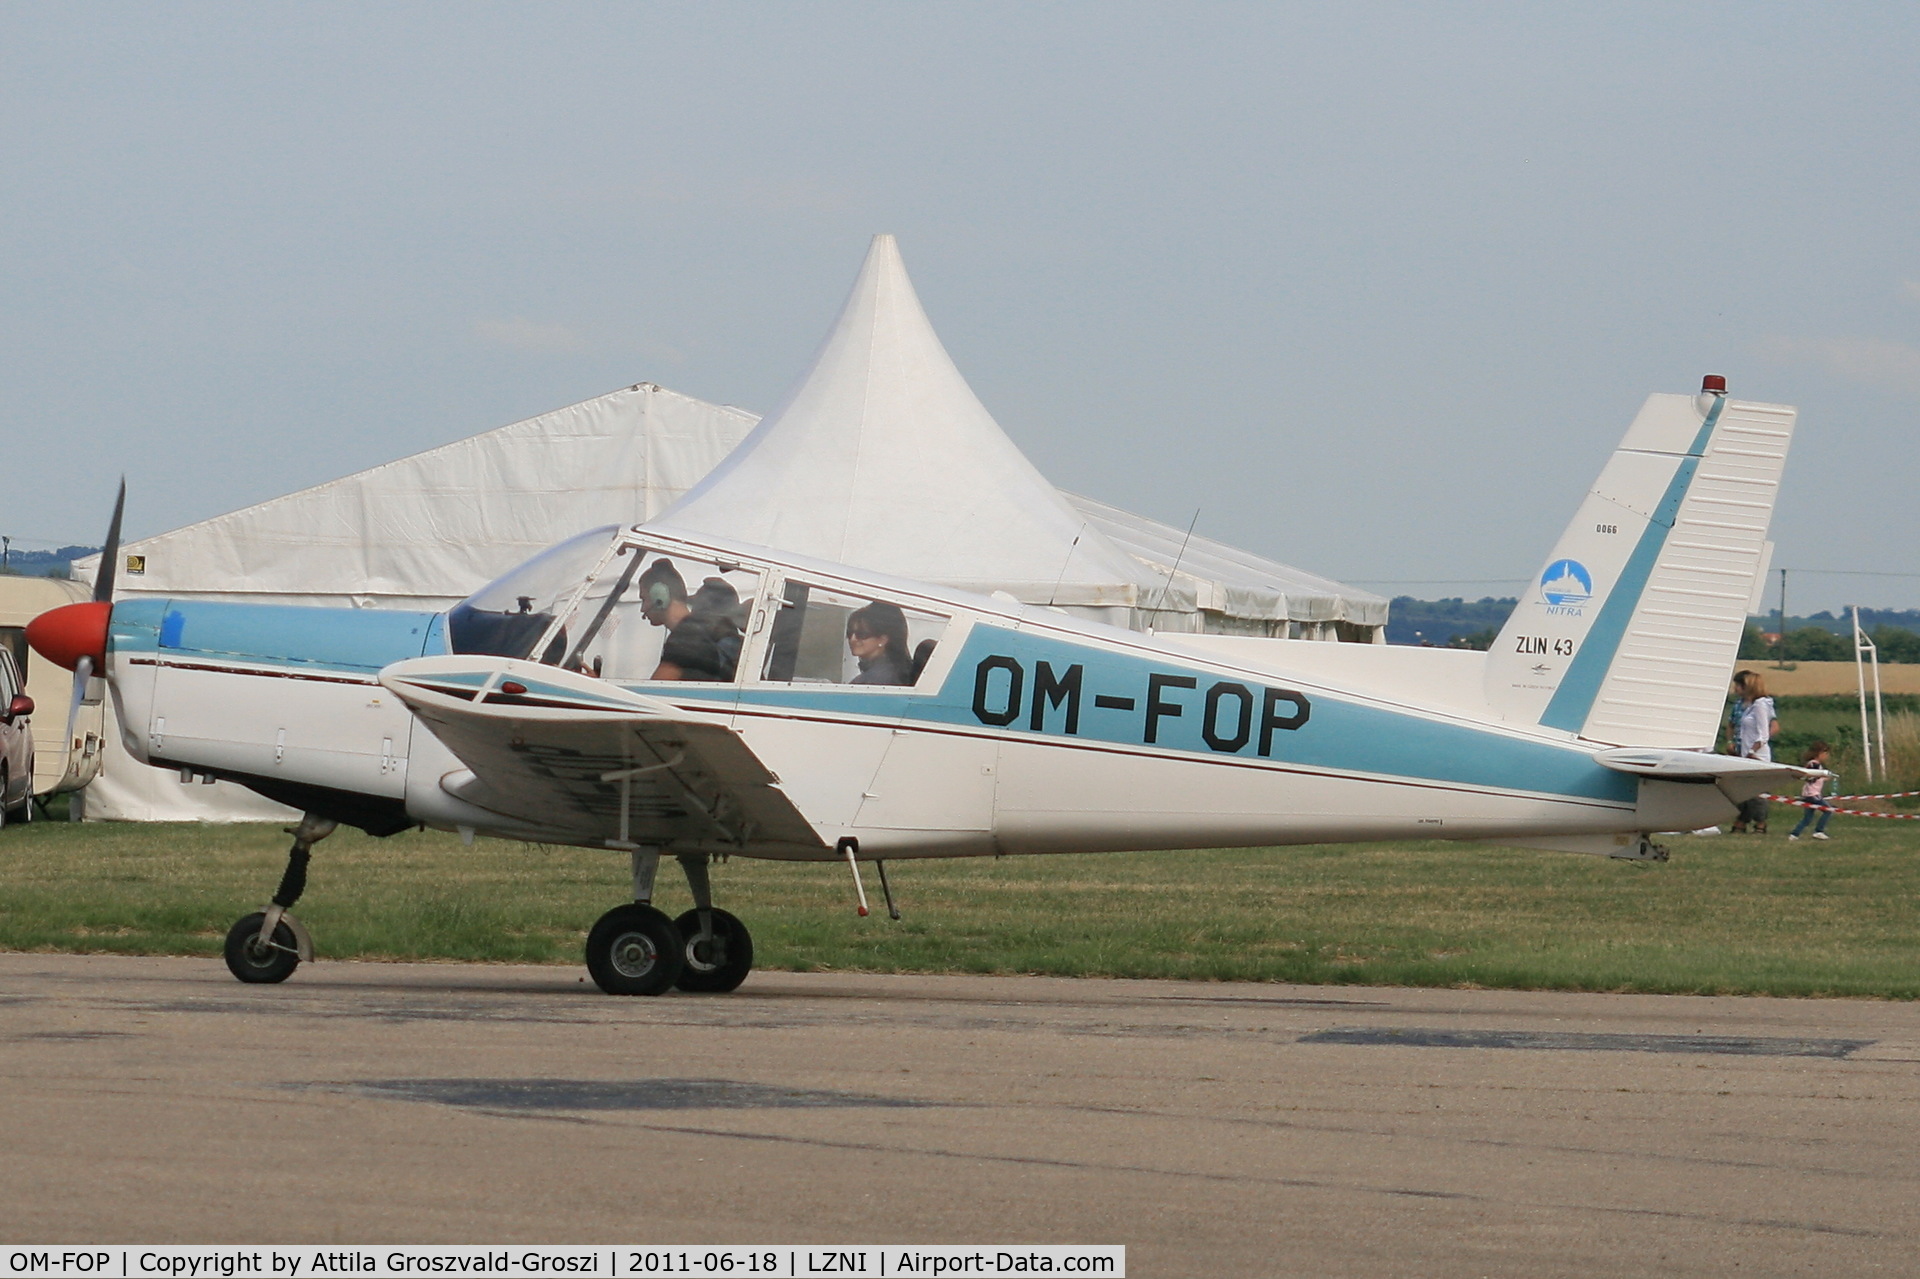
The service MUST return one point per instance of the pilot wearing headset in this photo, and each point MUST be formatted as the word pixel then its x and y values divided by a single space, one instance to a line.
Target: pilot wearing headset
pixel 703 639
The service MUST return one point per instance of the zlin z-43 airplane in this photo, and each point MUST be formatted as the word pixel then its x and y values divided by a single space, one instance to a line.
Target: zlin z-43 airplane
pixel 655 695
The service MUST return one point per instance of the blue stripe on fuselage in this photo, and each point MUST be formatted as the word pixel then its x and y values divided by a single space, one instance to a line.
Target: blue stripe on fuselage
pixel 345 639
pixel 1337 734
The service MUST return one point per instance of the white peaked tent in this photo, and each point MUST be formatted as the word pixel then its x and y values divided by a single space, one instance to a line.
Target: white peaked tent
pixel 883 457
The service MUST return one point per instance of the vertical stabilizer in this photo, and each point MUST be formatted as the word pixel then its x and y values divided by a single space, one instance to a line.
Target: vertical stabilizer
pixel 1629 633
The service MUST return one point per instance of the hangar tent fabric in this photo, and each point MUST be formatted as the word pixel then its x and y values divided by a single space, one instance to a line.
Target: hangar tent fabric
pixel 432 528
pixel 419 533
pixel 1236 591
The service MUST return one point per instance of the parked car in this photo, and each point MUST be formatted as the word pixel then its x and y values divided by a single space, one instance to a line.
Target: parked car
pixel 59 764
pixel 16 744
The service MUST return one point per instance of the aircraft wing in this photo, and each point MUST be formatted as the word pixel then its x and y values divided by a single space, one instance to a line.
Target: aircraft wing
pixel 561 750
pixel 1738 778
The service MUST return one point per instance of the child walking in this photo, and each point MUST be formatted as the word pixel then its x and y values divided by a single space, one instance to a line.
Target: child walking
pixel 1814 792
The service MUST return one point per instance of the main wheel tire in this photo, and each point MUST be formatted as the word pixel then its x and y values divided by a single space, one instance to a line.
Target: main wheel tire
pixel 253 963
pixel 720 963
pixel 634 950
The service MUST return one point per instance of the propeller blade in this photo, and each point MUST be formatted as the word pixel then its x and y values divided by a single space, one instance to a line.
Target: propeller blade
pixel 82 672
pixel 110 554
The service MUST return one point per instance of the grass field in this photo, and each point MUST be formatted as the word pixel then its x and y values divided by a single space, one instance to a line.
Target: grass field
pixel 1727 915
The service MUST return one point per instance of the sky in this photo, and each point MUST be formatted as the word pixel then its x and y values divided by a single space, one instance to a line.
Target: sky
pixel 1372 289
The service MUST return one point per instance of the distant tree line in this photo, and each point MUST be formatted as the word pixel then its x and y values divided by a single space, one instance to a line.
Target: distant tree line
pixel 1818 644
pixel 1462 623
pixel 45 563
pixel 1842 623
pixel 1448 623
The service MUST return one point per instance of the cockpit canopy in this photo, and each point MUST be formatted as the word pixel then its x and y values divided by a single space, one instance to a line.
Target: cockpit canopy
pixel 604 604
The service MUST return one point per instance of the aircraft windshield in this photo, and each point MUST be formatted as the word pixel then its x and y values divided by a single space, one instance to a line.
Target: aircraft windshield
pixel 625 613
pixel 508 615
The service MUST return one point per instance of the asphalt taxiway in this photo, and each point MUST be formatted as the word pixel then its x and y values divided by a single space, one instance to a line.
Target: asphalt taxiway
pixel 1213 1129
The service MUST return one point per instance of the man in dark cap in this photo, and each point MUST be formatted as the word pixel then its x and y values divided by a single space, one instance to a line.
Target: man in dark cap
pixel 703 638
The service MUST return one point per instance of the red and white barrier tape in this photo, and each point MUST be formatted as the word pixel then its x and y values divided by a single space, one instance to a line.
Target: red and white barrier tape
pixel 1899 794
pixel 1844 812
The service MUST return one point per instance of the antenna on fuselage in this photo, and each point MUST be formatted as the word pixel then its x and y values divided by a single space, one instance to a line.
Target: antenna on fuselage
pixel 1180 555
pixel 1065 564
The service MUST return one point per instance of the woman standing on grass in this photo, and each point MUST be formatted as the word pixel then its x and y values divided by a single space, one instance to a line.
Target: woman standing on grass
pixel 1756 729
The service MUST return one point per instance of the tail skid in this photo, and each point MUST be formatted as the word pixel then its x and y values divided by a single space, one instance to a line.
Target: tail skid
pixel 1629 633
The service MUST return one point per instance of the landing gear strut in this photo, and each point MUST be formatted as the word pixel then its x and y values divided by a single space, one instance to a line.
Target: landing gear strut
pixel 269 944
pixel 718 950
pixel 637 950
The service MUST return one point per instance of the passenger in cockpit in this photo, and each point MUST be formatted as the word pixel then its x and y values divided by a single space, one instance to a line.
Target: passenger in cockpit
pixel 703 637
pixel 877 638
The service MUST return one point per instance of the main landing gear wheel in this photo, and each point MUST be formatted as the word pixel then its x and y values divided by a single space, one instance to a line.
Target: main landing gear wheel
pixel 719 963
pixel 634 950
pixel 251 961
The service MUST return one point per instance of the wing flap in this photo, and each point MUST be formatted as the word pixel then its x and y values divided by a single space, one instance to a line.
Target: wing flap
pixel 595 760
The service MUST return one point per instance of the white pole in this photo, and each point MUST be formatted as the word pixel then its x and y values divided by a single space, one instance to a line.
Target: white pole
pixel 1860 643
pixel 1879 714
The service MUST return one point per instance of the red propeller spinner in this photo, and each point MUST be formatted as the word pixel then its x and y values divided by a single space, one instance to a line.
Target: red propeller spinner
pixel 66 634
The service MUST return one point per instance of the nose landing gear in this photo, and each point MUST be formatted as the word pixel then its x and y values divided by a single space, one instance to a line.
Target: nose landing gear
pixel 269 944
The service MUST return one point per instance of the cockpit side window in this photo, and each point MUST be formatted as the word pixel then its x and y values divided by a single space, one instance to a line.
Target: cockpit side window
pixel 823 636
pixel 695 615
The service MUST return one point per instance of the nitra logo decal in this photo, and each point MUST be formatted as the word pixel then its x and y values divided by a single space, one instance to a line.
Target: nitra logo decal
pixel 1566 586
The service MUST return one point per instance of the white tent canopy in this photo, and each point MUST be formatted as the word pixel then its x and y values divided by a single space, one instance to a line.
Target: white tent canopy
pixel 430 529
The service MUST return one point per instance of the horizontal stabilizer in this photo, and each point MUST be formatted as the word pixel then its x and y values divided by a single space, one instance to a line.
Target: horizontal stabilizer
pixel 1738 778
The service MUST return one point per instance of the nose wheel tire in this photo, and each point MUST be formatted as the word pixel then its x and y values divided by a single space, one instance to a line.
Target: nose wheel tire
pixel 248 960
pixel 634 950
pixel 719 963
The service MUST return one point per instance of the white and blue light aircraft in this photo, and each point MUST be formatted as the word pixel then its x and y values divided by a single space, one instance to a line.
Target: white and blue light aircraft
pixel 656 695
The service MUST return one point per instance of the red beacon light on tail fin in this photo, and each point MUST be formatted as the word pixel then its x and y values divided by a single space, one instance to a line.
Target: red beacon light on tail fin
pixel 1713 384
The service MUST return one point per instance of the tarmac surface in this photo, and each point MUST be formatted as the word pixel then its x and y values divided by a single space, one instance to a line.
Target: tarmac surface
pixel 1213 1129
